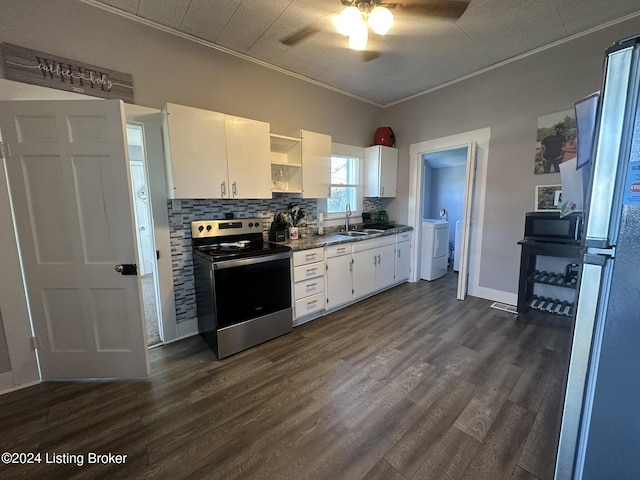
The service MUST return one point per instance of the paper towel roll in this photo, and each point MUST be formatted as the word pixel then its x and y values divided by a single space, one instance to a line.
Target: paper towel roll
pixel 320 223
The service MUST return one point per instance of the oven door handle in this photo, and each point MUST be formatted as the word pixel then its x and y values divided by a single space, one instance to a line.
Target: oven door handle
pixel 241 262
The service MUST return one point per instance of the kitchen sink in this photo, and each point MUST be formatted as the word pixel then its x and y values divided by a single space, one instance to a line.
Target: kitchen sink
pixel 353 234
pixel 370 231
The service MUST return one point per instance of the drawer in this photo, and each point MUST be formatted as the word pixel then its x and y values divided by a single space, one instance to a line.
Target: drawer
pixel 311 270
pixel 403 237
pixel 309 305
pixel 303 257
pixel 338 250
pixel 308 287
pixel 363 245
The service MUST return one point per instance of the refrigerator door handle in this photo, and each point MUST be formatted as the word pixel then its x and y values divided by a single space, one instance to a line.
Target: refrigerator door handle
pixel 610 149
pixel 595 274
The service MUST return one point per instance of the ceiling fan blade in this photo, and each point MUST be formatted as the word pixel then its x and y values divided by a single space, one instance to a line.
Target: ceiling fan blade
pixel 300 35
pixel 433 8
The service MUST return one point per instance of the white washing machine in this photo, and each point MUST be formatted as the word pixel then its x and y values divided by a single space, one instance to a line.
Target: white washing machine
pixel 435 249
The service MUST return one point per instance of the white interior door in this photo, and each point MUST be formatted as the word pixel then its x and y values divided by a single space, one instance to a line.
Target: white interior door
pixel 69 180
pixel 467 221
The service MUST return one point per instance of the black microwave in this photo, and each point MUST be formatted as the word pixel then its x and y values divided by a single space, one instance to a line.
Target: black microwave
pixel 551 227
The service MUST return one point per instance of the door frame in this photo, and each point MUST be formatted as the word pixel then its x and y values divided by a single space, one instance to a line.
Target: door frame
pixel 481 138
pixel 151 121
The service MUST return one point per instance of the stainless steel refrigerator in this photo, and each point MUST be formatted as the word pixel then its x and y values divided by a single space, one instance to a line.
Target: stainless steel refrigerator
pixel 600 432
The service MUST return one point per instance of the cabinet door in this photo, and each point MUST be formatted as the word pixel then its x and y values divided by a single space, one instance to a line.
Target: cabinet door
pixel 372 173
pixel 382 171
pixel 248 157
pixel 364 272
pixel 402 261
pixel 388 171
pixel 386 266
pixel 316 165
pixel 195 142
pixel 338 284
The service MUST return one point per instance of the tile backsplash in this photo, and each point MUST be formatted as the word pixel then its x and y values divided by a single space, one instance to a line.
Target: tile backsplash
pixel 182 212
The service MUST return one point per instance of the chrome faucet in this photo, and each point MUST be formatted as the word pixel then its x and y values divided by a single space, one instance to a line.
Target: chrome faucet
pixel 347 214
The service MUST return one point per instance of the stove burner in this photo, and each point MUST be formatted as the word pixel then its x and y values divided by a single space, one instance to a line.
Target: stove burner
pixel 241 241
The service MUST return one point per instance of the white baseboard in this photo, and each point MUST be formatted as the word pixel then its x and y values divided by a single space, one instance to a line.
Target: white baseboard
pixel 18 387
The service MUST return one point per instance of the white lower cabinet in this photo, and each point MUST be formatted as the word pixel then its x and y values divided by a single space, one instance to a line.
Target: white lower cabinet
pixel 339 280
pixel 337 275
pixel 308 283
pixel 373 265
pixel 403 260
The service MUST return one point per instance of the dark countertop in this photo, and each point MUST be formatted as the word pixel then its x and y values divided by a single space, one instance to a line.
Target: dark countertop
pixel 332 238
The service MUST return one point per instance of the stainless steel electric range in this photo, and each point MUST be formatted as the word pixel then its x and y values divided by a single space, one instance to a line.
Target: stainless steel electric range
pixel 243 285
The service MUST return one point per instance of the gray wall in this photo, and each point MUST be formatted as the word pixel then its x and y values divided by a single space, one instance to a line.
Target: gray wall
pixel 167 68
pixel 509 100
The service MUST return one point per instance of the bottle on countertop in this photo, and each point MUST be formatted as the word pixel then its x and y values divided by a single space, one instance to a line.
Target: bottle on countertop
pixel 320 223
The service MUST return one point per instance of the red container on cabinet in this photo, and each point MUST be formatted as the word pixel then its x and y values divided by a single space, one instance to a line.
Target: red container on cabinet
pixel 384 136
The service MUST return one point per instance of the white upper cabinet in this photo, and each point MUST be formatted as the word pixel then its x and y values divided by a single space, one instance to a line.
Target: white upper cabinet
pixel 286 164
pixel 213 155
pixel 195 142
pixel 248 158
pixel 381 171
pixel 316 164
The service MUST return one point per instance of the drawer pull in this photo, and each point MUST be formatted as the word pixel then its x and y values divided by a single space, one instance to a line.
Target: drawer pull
pixel 312 303
pixel 311 285
pixel 310 256
pixel 311 270
pixel 342 250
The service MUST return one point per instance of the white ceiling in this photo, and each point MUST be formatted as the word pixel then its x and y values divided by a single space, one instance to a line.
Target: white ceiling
pixel 418 54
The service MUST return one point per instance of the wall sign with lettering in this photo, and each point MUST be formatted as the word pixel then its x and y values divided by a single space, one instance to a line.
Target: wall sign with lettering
pixel 29 66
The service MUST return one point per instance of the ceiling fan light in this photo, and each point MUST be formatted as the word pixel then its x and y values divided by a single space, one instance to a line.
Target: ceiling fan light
pixel 380 20
pixel 348 20
pixel 359 36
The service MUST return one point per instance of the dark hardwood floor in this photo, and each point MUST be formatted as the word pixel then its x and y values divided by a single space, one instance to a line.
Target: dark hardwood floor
pixel 410 384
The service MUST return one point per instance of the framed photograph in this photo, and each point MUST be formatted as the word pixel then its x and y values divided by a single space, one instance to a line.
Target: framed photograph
pixel 548 197
pixel 556 141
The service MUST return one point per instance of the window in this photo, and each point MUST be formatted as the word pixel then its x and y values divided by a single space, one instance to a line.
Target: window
pixel 347 163
pixel 345 182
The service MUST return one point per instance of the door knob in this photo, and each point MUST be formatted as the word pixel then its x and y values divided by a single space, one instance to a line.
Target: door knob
pixel 127 269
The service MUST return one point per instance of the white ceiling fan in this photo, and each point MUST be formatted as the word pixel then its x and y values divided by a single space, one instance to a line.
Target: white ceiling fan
pixel 378 15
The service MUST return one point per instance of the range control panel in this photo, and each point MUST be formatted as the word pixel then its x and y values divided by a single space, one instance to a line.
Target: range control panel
pixel 215 228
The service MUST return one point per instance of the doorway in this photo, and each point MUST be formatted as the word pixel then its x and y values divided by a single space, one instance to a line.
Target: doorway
pixel 444 174
pixel 476 145
pixel 147 267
